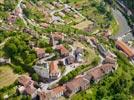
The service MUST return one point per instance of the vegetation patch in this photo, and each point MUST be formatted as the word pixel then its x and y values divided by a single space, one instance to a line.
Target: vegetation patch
pixel 7 76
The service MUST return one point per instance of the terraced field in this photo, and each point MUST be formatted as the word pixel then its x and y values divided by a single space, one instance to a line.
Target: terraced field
pixel 7 77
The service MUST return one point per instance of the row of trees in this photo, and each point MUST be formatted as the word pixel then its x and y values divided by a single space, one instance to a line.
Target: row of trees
pixel 72 74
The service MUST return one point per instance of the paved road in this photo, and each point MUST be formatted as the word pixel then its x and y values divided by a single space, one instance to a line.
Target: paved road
pixel 123 25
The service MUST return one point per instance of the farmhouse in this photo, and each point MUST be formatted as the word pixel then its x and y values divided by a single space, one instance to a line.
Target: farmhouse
pixel 62 50
pixel 57 92
pixel 96 74
pixel 28 86
pixel 76 85
pixel 109 60
pixel 107 68
pixel 40 52
pixel 125 48
pixel 70 60
pixel 25 80
pixel 56 37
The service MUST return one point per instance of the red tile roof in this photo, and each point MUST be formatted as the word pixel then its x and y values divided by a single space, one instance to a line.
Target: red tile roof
pixel 96 73
pixel 42 95
pixel 30 90
pixel 45 25
pixel 125 48
pixel 76 83
pixel 58 90
pixel 57 35
pixel 25 80
pixel 54 67
pixel 39 50
pixel 109 60
pixel 62 49
pixel 107 67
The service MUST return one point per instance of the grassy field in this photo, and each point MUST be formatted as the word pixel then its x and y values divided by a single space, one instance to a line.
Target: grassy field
pixel 83 25
pixel 7 77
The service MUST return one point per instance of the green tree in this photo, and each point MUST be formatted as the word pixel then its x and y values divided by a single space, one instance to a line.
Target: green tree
pixel 10 5
pixel 10 49
pixel 120 97
pixel 49 50
pixel 63 80
pixel 101 93
pixel 43 43
pixel 35 77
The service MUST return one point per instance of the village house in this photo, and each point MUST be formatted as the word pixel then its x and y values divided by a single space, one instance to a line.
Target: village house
pixel 21 89
pixel 62 50
pixel 57 92
pixel 30 90
pixel 11 19
pixel 40 52
pixel 56 37
pixel 27 86
pixel 44 25
pixel 96 74
pixel 78 54
pixel 88 77
pixel 107 33
pixel 125 48
pixel 69 60
pixel 25 80
pixel 109 60
pixel 108 68
pixel 16 12
pixel 54 72
pixel 101 50
pixel 76 85
pixel 13 16
pixel 42 95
